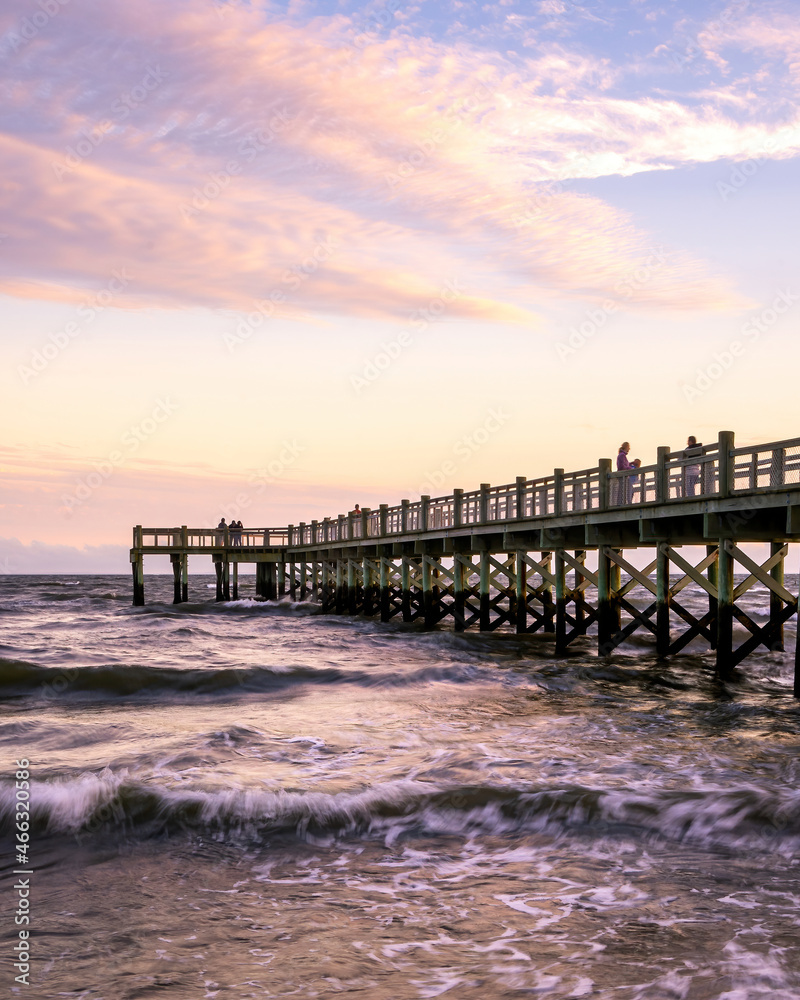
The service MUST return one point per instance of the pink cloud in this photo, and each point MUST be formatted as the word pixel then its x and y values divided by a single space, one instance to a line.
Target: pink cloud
pixel 220 160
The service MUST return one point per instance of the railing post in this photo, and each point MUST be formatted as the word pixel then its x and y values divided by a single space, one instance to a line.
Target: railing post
pixel 424 502
pixel 662 474
pixel 521 484
pixel 457 508
pixel 484 503
pixel 289 533
pixel 383 519
pixel 342 520
pixel 301 533
pixel 726 463
pixel 365 512
pixel 326 529
pixel 404 516
pixel 184 537
pixel 314 532
pixel 558 491
pixel 604 469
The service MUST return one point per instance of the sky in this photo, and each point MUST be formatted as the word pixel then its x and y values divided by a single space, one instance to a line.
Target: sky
pixel 267 260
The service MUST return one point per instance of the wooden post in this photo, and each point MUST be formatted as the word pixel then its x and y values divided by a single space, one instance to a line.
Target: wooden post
pixel 484 505
pixel 662 599
pixel 383 520
pixel 614 583
pixel 797 656
pixel 725 613
pixel 366 571
pixel 604 470
pixel 457 508
pixel 459 597
pixel 315 570
pixel 281 570
pixel 662 473
pixel 511 586
pixel 272 581
pixel 352 591
pixel 184 578
pixel 365 512
pixel 175 559
pixel 341 587
pixel 427 592
pixel 580 556
pixel 775 603
pixel 520 501
pixel 226 579
pixel 713 604
pixel 404 505
pixel 548 608
pixel 236 580
pixel 137 568
pixel 522 591
pixel 328 599
pixel 293 579
pixel 405 588
pixel 561 602
pixel 260 579
pixel 726 464
pixel 604 622
pixel 314 531
pixel 220 595
pixel 303 578
pixel 386 597
pixel 558 491
pixel 486 567
pixel 424 504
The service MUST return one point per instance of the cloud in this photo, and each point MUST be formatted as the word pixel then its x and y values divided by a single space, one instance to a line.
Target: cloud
pixel 236 159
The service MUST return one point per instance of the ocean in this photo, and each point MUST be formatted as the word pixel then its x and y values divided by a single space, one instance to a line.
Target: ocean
pixel 252 799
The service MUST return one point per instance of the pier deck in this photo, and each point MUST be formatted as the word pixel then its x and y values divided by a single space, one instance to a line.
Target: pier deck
pixel 515 555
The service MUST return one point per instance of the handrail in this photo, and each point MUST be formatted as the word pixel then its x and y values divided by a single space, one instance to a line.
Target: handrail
pixel 717 470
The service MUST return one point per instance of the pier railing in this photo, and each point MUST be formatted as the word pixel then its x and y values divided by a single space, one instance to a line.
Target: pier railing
pixel 714 470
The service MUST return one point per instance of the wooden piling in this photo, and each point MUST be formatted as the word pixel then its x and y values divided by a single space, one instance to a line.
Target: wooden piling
pixel 775 603
pixel 218 568
pixel 341 587
pixel 713 603
pixel 724 665
pixel 605 626
pixel 485 600
pixel 405 590
pixel 546 591
pixel 236 580
pixel 184 578
pixel 137 568
pixel 662 599
pixel 352 588
pixel 561 601
pixel 226 580
pixel 175 560
pixel 521 583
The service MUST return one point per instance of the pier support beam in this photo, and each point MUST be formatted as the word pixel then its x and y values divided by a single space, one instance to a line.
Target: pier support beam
pixel 604 623
pixel 548 608
pixel 219 596
pixel 662 600
pixel 521 575
pixel 713 603
pixel 281 569
pixel 352 588
pixel 775 603
pixel 226 580
pixel 341 588
pixel 303 579
pixel 184 578
pixel 137 568
pixel 459 595
pixel 405 588
pixel 177 595
pixel 724 666
pixel 236 581
pixel 486 568
pixel 385 596
pixel 561 601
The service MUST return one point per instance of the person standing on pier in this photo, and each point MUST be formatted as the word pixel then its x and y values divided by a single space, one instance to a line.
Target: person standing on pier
pixel 221 528
pixel 625 484
pixel 692 472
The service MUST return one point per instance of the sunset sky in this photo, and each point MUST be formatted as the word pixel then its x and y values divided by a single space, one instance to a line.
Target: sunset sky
pixel 281 258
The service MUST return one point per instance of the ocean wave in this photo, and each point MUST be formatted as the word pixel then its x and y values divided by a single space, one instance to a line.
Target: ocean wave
pixel 106 803
pixel 21 679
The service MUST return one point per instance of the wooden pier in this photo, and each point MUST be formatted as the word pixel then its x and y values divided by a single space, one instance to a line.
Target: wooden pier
pixel 515 555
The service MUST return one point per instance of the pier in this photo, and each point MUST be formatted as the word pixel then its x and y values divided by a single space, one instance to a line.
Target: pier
pixel 515 555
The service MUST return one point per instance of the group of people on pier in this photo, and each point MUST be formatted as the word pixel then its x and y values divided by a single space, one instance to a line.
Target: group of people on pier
pixel 235 529
pixel 626 487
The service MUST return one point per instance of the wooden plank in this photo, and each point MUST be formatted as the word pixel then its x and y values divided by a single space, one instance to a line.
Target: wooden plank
pixel 638 576
pixel 580 568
